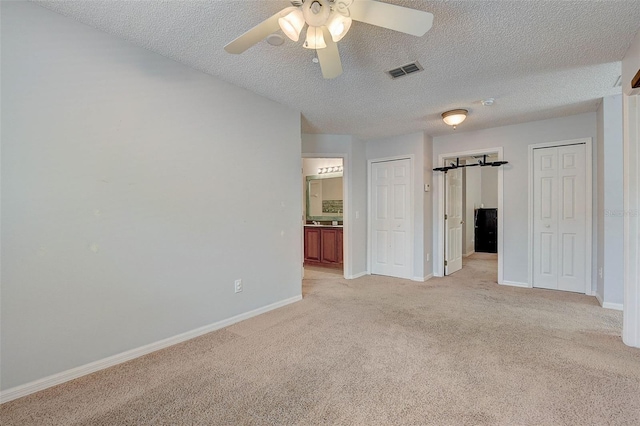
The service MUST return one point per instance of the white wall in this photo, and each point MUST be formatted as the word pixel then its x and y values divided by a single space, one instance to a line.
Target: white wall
pixel 631 131
pixel 489 183
pixel 355 172
pixel 310 166
pixel 473 198
pixel 610 202
pixel 414 146
pixel 631 66
pixel 134 191
pixel 515 139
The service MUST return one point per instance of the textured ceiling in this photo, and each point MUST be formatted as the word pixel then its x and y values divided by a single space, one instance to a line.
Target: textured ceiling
pixel 538 59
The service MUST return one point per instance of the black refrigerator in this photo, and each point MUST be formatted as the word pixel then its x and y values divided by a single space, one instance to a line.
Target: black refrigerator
pixel 486 230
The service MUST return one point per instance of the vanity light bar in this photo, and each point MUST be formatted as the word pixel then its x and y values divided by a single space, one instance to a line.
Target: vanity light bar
pixel 335 169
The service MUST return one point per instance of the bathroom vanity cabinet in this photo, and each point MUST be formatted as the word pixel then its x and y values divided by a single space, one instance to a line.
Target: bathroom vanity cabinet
pixel 323 246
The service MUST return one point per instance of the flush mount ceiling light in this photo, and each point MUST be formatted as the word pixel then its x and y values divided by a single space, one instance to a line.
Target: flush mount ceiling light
pixel 454 117
pixel 328 22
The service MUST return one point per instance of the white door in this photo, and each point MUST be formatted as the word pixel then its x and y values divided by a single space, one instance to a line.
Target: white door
pixel 559 218
pixel 391 225
pixel 453 221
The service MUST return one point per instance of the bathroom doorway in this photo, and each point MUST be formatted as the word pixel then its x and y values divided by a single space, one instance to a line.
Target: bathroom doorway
pixel 323 189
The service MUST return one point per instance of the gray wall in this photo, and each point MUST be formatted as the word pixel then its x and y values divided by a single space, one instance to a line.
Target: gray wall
pixel 428 207
pixel 610 202
pixel 355 171
pixel 515 139
pixel 600 195
pixel 489 182
pixel 358 197
pixel 134 191
pixel 473 200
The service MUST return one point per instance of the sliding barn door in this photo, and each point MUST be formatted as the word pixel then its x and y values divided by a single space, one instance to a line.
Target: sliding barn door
pixel 559 218
pixel 391 225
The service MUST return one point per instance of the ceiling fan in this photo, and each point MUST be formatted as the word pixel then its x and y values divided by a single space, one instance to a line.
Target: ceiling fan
pixel 327 23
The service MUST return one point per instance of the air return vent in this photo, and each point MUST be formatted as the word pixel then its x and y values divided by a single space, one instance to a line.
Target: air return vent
pixel 405 70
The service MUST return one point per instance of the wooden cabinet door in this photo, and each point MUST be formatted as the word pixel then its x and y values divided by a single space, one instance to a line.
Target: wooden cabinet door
pixel 330 246
pixel 312 238
pixel 340 252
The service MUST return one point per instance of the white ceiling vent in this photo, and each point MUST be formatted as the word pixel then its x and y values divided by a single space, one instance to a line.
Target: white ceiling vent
pixel 405 70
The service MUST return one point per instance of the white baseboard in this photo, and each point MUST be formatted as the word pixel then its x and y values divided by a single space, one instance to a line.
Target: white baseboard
pixel 608 305
pixel 515 284
pixel 358 275
pixel 616 306
pixel 74 373
pixel 422 279
pixel 468 254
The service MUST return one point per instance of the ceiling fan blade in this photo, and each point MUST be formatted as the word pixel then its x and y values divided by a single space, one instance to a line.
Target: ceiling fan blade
pixel 329 57
pixel 398 18
pixel 257 33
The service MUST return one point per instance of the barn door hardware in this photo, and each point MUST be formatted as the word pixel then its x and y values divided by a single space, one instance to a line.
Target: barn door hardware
pixel 482 162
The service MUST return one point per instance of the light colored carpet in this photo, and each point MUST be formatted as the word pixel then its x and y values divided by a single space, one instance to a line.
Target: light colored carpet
pixel 453 351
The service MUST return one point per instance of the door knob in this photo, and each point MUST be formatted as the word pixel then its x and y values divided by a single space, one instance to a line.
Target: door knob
pixel 547 226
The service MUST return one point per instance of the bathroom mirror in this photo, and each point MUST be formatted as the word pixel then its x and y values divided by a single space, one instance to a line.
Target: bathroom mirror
pixel 324 197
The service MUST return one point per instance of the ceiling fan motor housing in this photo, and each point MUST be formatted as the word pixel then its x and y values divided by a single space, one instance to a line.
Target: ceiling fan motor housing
pixel 316 12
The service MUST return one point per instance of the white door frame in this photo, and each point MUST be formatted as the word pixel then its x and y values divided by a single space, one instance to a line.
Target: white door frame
pixel 439 268
pixel 346 208
pixel 589 207
pixel 631 305
pixel 411 208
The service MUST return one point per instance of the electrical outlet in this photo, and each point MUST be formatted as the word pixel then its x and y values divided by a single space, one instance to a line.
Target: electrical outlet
pixel 428 256
pixel 600 272
pixel 238 286
pixel 357 214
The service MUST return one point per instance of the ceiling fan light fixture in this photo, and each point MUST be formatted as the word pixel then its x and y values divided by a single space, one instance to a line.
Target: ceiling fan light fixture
pixel 454 117
pixel 316 12
pixel 338 25
pixel 315 38
pixel 292 24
